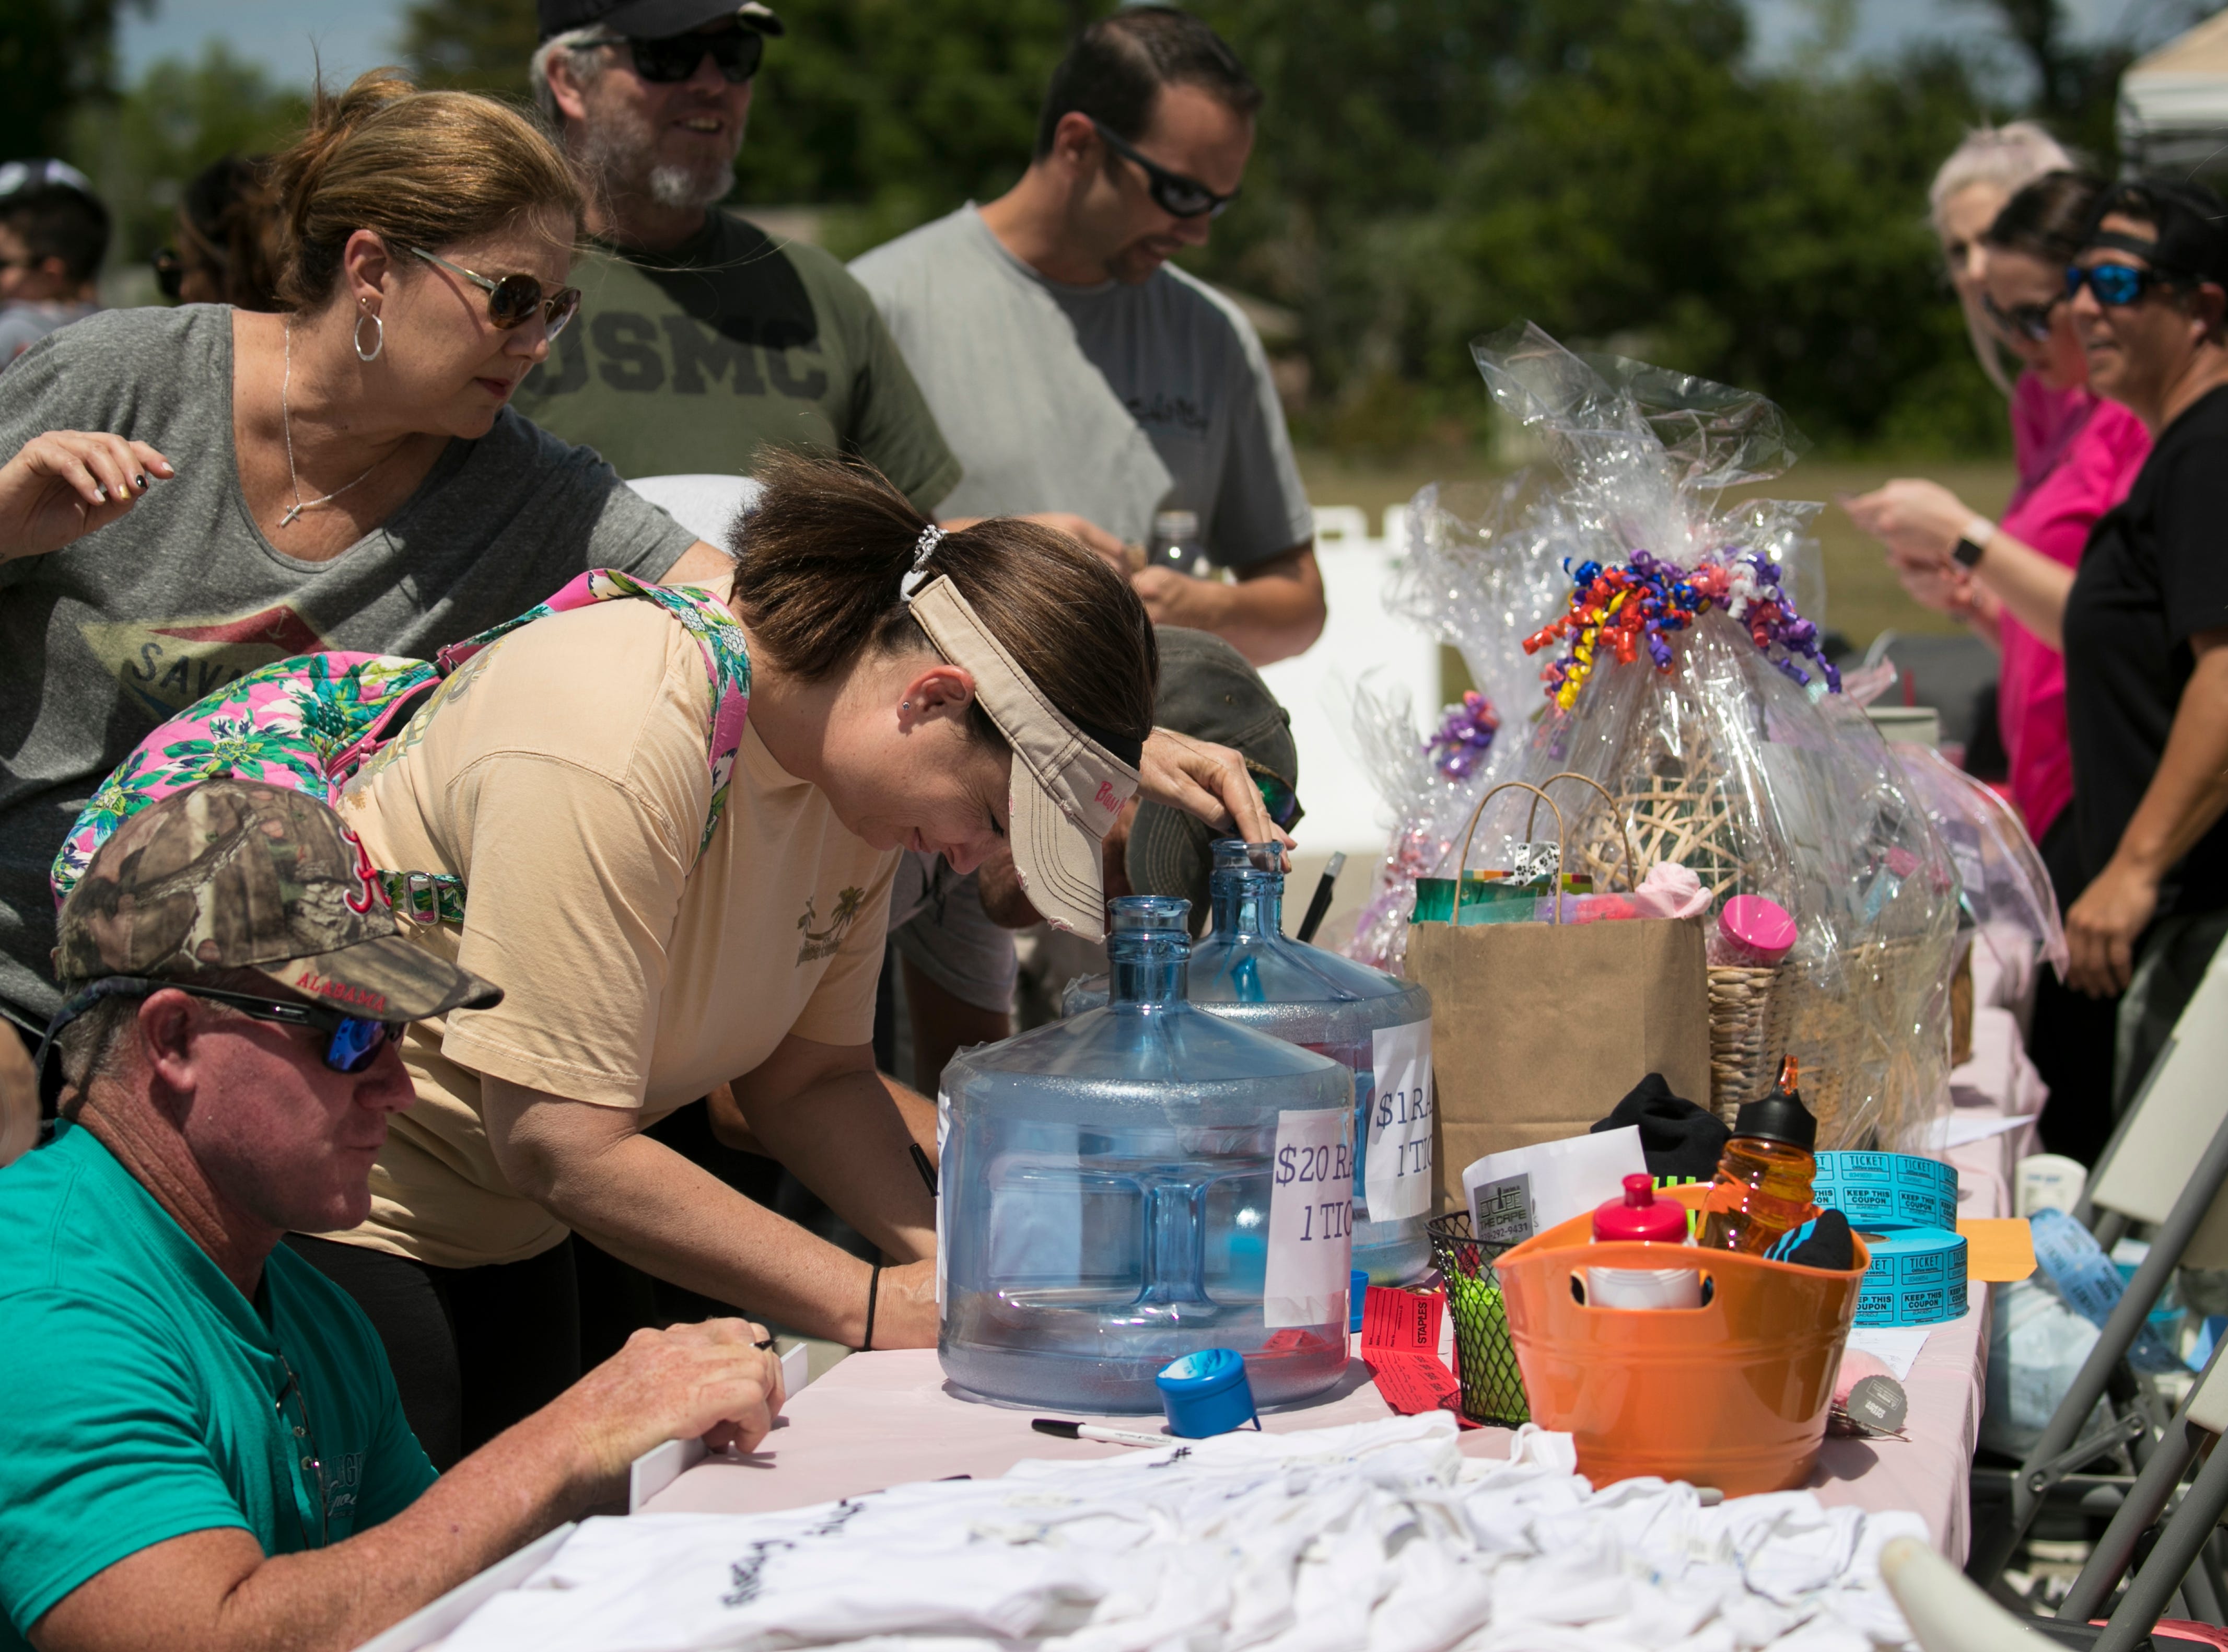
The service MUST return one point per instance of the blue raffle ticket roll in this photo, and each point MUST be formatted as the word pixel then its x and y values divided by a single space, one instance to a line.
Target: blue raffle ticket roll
pixel 1918 1278
pixel 1888 1190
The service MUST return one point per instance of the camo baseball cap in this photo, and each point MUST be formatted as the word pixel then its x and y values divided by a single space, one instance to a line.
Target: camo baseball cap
pixel 234 874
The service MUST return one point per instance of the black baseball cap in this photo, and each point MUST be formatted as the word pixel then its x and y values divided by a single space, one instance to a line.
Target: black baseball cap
pixel 652 19
pixel 1206 690
pixel 2189 221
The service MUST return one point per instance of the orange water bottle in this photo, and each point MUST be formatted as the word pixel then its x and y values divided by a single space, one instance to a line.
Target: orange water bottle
pixel 1764 1182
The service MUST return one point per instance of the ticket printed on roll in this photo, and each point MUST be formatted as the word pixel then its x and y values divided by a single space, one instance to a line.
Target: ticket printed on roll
pixel 1889 1190
pixel 1917 1278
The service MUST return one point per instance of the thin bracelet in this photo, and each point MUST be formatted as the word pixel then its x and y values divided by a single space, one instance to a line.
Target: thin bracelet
pixel 874 1290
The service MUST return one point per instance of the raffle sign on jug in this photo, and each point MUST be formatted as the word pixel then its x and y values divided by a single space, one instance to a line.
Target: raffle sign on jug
pixel 1397 1170
pixel 1310 1220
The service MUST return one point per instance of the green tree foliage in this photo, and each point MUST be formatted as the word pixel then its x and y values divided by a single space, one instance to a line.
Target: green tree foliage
pixel 141 150
pixel 54 54
pixel 2075 81
pixel 899 109
pixel 1610 170
pixel 480 45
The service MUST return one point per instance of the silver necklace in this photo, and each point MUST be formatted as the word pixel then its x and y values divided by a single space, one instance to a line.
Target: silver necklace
pixel 286 423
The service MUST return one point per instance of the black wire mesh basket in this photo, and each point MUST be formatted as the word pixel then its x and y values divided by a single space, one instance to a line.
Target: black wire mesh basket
pixel 1485 1358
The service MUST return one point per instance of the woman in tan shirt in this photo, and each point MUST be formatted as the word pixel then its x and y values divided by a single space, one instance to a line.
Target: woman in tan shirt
pixel 908 688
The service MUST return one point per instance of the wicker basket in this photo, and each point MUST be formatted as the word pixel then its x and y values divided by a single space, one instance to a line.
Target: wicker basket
pixel 1748 1033
pixel 1881 984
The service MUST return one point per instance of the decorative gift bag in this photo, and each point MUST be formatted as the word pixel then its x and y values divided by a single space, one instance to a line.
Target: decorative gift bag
pixel 1539 1027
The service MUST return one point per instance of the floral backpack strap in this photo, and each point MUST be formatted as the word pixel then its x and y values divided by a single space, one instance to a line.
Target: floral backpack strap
pixel 726 663
pixel 439 897
pixel 727 670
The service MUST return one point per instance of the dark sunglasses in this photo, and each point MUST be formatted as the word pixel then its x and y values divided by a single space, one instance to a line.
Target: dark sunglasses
pixel 1276 796
pixel 2115 284
pixel 301 1448
pixel 671 58
pixel 1172 192
pixel 2029 321
pixel 515 299
pixel 352 1042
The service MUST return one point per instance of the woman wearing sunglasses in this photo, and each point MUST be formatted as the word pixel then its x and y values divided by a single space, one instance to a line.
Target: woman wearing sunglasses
pixel 187 494
pixel 2077 454
pixel 2146 623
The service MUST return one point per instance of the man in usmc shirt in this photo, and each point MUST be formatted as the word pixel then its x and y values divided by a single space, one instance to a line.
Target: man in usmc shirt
pixel 701 338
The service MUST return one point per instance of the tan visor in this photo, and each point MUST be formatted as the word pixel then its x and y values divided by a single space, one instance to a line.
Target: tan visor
pixel 1066 789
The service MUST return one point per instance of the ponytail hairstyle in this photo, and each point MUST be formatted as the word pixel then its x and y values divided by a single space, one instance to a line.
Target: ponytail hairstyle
pixel 821 553
pixel 420 169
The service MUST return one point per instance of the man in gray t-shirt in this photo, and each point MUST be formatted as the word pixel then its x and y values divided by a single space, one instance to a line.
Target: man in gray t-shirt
pixel 1071 368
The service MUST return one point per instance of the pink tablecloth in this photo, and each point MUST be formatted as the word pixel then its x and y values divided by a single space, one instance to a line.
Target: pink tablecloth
pixel 882 1419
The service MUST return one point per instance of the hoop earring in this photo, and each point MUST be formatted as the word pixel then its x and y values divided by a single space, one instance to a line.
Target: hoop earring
pixel 378 338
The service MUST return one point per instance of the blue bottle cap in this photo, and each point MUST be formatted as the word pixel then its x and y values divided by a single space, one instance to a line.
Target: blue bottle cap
pixel 1357 1292
pixel 1206 1393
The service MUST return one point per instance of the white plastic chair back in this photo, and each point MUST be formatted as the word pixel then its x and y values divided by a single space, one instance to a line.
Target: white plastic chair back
pixel 2208 1406
pixel 2176 1113
pixel 704 505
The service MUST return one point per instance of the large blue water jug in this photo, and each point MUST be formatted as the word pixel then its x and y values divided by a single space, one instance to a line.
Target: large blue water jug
pixel 1245 970
pixel 1139 1183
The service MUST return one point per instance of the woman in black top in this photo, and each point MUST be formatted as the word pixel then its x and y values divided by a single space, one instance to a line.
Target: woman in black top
pixel 2147 621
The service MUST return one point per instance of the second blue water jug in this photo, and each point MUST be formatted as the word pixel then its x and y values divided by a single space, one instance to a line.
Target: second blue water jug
pixel 1245 969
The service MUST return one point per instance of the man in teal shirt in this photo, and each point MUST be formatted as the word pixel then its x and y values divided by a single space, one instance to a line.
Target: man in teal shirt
pixel 203 1445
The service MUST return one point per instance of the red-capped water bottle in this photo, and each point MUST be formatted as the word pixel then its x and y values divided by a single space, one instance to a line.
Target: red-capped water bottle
pixel 1638 1215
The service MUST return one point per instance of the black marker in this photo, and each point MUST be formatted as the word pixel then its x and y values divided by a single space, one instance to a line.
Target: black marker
pixel 1319 907
pixel 921 1163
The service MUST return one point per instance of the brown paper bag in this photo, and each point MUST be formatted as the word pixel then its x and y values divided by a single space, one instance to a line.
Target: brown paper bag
pixel 1538 1029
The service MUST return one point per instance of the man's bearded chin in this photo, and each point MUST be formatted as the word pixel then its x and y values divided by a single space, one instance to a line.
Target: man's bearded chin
pixel 622 164
pixel 706 184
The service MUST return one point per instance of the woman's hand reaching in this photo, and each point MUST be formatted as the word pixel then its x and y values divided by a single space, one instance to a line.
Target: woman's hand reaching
pixel 67 484
pixel 1209 781
pixel 1919 521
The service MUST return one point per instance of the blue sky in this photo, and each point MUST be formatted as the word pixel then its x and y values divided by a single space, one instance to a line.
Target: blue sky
pixel 356 34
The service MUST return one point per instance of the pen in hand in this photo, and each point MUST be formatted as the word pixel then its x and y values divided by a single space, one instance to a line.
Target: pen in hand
pixel 921 1163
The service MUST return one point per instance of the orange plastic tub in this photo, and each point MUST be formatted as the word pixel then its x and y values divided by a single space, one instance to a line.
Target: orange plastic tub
pixel 1732 1394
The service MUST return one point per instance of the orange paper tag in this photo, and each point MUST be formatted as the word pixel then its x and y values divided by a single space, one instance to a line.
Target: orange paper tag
pixel 1998 1250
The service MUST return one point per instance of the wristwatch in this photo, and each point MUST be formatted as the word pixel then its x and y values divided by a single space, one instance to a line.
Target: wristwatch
pixel 1973 540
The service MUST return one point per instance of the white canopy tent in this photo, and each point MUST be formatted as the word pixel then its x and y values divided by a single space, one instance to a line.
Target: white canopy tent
pixel 2174 102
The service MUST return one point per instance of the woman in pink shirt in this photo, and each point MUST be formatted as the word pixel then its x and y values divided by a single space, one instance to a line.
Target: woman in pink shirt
pixel 2077 454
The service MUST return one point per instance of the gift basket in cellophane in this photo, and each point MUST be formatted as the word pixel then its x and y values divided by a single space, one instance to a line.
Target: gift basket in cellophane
pixel 1685 678
pixel 1473 580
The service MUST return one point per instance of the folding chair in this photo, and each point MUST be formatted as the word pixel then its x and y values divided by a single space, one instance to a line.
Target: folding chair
pixel 2196 1428
pixel 2149 1174
pixel 706 505
pixel 1947 1612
